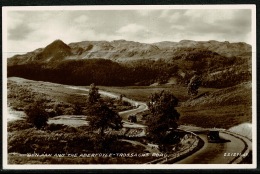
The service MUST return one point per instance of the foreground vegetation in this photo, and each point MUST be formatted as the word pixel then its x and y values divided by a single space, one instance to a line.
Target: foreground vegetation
pixel 16 159
pixel 59 143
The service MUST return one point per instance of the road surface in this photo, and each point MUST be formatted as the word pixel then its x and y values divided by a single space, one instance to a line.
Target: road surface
pixel 216 153
pixel 140 105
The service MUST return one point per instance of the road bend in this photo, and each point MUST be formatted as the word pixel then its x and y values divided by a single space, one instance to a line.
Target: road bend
pixel 217 153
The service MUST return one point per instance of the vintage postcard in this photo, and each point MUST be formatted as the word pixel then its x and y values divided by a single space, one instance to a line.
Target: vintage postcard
pixel 129 87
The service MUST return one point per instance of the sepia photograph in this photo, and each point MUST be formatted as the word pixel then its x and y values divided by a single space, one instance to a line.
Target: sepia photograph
pixel 129 87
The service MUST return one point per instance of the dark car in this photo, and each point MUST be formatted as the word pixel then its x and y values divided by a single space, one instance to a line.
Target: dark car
pixel 213 136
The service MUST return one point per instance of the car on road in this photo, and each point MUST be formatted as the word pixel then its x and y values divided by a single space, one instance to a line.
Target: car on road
pixel 213 136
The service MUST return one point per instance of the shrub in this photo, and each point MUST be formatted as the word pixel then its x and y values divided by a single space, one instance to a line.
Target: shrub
pixel 78 109
pixel 18 125
pixel 55 127
pixel 36 114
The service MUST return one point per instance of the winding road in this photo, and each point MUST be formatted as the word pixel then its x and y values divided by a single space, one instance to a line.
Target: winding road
pixel 141 106
pixel 210 153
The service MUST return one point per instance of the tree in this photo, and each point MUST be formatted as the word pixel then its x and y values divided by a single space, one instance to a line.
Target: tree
pixel 121 98
pixel 194 85
pixel 163 115
pixel 93 94
pixel 37 115
pixel 102 117
pixel 78 108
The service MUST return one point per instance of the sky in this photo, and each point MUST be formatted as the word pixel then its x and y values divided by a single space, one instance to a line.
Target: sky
pixel 29 30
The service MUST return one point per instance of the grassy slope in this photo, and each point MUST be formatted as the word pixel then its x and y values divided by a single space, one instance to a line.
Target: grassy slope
pixel 220 117
pixel 58 90
pixel 222 108
pixel 22 92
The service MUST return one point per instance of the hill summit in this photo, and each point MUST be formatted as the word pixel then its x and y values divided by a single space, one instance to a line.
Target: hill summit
pixel 56 46
pixel 57 50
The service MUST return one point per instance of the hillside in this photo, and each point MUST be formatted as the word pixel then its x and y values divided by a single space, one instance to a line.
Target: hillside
pixel 222 108
pixel 223 48
pixel 235 95
pixel 121 62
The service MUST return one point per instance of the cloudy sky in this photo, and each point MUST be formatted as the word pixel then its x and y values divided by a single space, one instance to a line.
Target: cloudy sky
pixel 29 30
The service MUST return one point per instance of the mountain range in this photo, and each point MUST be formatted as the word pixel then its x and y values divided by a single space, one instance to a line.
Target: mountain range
pixel 124 51
pixel 121 62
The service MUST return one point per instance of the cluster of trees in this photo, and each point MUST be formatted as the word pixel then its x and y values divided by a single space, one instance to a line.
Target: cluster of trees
pixel 98 71
pixel 163 116
pixel 74 72
pixel 142 72
pixel 153 71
